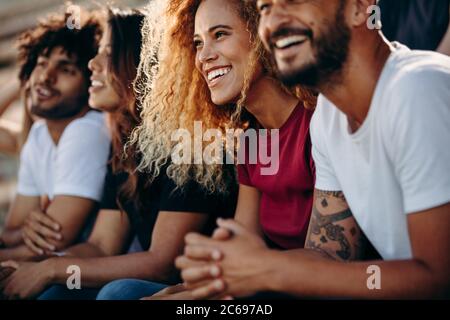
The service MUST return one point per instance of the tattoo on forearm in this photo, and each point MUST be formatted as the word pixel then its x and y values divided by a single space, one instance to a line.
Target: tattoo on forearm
pixel 310 244
pixel 324 195
pixel 333 232
pixel 325 228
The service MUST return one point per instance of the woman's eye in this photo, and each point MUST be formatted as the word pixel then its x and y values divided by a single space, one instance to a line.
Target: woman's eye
pixel 197 43
pixel 220 34
pixel 263 7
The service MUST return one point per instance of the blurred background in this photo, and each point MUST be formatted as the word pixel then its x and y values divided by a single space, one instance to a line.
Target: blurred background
pixel 15 17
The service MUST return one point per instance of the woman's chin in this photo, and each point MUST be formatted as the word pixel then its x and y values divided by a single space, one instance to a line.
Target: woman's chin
pixel 98 105
pixel 221 100
pixel 95 105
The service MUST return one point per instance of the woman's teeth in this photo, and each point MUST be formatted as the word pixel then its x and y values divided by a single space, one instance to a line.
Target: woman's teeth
pixel 97 84
pixel 289 41
pixel 218 73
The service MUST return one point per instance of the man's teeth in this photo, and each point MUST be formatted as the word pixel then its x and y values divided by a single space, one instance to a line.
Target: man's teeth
pixel 218 73
pixel 288 41
pixel 97 84
pixel 45 92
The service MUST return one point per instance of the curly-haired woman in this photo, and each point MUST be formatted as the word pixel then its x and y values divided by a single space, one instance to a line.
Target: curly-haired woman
pixel 213 68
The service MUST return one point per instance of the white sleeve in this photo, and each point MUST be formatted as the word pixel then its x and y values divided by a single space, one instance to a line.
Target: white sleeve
pixel 81 162
pixel 419 138
pixel 26 184
pixel 325 177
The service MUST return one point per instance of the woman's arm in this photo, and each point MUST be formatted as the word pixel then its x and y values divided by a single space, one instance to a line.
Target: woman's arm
pixel 247 210
pixel 108 238
pixel 157 264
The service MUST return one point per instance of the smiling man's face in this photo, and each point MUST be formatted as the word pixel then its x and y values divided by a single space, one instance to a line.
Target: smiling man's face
pixel 309 39
pixel 58 86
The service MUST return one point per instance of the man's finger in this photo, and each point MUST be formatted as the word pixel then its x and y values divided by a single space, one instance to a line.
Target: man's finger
pixel 47 232
pixel 7 268
pixel 192 275
pixel 37 239
pixel 5 273
pixel 198 239
pixel 212 289
pixel 231 225
pixel 222 234
pixel 202 253
pixel 39 233
pixel 183 262
pixel 7 265
pixel 46 220
pixel 32 247
pixel 42 243
pixel 45 203
pixel 4 285
pixel 10 293
pixel 172 289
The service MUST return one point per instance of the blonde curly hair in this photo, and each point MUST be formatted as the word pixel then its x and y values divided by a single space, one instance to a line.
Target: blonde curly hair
pixel 173 94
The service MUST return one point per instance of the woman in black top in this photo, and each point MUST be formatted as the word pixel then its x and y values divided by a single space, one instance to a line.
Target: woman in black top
pixel 158 213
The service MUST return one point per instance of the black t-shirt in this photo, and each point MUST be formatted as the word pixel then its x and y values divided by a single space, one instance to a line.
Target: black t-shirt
pixel 162 195
pixel 419 24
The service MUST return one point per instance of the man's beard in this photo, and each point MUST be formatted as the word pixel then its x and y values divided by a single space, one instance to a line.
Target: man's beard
pixel 331 51
pixel 67 108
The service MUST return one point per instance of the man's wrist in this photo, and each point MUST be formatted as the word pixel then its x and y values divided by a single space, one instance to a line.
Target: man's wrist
pixel 50 267
pixel 268 269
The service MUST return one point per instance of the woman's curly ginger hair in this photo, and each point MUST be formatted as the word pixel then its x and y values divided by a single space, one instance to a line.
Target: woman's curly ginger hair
pixel 174 94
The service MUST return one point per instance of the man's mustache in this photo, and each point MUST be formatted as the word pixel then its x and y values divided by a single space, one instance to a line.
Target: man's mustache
pixel 45 86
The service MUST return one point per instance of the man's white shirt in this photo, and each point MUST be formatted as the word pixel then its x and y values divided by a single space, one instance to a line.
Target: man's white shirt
pixel 398 161
pixel 74 167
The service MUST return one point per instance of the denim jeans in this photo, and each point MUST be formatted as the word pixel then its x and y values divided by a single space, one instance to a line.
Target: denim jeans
pixel 60 292
pixel 129 289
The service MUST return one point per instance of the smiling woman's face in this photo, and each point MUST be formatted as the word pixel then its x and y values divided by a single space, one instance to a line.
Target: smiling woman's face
pixel 223 49
pixel 102 94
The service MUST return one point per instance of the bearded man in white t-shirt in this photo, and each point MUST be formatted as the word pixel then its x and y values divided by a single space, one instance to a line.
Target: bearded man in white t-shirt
pixel 63 162
pixel 380 135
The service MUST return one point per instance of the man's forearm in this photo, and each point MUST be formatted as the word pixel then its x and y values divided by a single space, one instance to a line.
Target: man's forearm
pixel 298 272
pixel 21 253
pixel 10 93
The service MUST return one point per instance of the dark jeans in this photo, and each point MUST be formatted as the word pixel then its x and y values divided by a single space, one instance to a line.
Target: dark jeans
pixel 60 292
pixel 129 289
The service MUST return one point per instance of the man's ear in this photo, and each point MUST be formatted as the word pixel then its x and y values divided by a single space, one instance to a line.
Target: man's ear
pixel 359 13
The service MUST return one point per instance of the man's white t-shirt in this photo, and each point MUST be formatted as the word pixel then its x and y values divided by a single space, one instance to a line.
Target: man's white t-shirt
pixel 398 161
pixel 74 167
